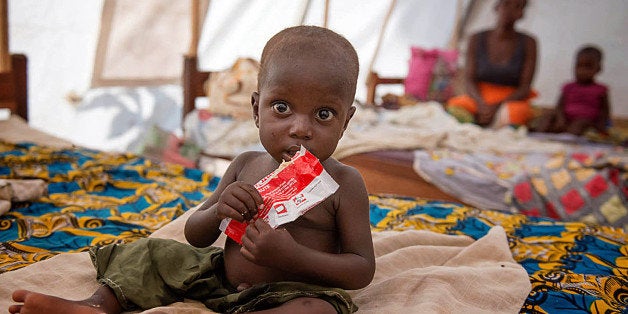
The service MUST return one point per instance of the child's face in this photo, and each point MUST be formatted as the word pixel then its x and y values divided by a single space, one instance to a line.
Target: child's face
pixel 587 66
pixel 301 103
pixel 510 11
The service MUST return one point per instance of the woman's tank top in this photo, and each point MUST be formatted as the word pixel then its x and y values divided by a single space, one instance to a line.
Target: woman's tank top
pixel 508 74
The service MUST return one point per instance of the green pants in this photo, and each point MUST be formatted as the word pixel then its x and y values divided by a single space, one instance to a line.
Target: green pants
pixel 153 272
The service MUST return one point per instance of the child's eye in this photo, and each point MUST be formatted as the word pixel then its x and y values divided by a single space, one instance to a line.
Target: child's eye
pixel 325 114
pixel 281 107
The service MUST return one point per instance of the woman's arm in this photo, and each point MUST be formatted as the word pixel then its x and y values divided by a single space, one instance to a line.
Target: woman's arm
pixel 470 82
pixel 527 72
pixel 485 112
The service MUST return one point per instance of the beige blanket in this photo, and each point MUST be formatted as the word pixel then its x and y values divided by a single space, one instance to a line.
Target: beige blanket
pixel 417 271
pixel 428 126
pixel 15 130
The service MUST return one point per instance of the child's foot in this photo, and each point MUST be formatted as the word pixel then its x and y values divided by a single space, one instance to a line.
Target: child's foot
pixel 33 302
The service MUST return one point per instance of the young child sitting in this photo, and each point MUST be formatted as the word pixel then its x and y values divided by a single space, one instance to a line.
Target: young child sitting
pixel 306 88
pixel 583 104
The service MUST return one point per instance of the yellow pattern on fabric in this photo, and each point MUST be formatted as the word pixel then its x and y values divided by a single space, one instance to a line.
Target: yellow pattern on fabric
pixel 95 198
pixel 560 178
pixel 560 257
pixel 613 209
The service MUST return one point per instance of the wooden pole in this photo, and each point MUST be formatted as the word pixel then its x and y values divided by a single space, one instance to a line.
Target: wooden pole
pixel 194 27
pixel 5 57
pixel 382 32
pixel 306 9
pixel 326 17
pixel 462 17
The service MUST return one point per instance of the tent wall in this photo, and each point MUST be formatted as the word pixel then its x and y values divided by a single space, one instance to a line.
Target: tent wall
pixel 241 28
pixel 60 39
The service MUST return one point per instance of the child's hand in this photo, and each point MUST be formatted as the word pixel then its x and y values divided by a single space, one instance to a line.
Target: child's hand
pixel 265 246
pixel 238 201
pixel 561 123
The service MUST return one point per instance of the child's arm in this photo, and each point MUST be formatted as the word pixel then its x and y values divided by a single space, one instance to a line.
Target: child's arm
pixel 559 112
pixel 230 199
pixel 351 268
pixel 605 115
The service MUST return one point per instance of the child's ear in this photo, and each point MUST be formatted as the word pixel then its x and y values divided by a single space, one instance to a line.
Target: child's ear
pixel 255 104
pixel 350 114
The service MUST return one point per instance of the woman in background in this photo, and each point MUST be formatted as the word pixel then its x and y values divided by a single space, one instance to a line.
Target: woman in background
pixel 500 66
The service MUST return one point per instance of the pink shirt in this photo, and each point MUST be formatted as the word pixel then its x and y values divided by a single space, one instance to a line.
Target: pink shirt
pixel 583 101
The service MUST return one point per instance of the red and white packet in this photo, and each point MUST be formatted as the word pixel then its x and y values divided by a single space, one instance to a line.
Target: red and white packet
pixel 288 192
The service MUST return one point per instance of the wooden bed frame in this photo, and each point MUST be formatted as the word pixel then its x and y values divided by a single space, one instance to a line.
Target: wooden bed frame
pixel 13 88
pixel 13 80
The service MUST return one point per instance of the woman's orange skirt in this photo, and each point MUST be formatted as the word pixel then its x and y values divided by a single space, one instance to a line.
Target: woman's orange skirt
pixel 518 111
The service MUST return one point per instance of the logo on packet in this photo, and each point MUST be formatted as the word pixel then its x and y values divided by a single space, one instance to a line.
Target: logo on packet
pixel 299 199
pixel 280 209
pixel 288 192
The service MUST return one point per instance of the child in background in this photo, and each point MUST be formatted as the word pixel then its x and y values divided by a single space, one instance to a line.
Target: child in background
pixel 583 104
pixel 306 87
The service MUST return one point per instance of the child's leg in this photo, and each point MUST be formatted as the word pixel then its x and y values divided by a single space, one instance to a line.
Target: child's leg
pixel 544 122
pixel 578 126
pixel 102 301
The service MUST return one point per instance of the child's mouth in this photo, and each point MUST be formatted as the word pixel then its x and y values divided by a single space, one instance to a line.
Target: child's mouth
pixel 290 152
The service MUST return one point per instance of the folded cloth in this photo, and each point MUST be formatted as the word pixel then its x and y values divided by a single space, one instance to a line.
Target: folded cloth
pixel 427 272
pixel 417 271
pixel 20 191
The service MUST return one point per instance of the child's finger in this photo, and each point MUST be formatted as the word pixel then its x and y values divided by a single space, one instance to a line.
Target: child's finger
pixel 252 232
pixel 261 226
pixel 255 197
pixel 247 254
pixel 243 201
pixel 227 211
pixel 247 243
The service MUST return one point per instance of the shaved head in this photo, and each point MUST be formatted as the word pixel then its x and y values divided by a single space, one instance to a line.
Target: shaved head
pixel 295 45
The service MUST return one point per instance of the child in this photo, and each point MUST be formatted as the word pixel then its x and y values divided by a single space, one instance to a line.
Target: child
pixel 583 104
pixel 499 69
pixel 306 88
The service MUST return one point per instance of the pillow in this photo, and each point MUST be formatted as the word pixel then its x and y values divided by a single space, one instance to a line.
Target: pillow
pixel 230 91
pixel 431 74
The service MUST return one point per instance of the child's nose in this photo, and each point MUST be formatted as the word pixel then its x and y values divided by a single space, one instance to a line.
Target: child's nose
pixel 301 128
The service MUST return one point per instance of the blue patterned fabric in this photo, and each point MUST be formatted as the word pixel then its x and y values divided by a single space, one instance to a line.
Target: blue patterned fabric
pixel 573 267
pixel 96 198
pixel 93 199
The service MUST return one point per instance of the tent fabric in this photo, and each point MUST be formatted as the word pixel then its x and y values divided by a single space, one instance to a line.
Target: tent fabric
pixel 61 37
